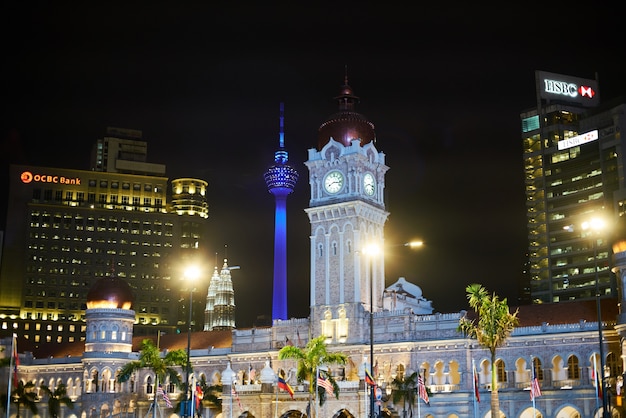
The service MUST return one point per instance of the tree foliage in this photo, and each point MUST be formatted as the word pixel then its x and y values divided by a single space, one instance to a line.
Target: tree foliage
pixel 405 390
pixel 491 328
pixel 309 359
pixel 56 398
pixel 25 395
pixel 162 367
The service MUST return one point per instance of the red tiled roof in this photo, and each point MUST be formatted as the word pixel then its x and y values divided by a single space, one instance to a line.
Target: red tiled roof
pixel 566 312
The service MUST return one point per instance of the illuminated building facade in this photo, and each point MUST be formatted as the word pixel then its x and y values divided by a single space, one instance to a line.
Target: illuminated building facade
pixel 558 341
pixel 67 228
pixel 574 162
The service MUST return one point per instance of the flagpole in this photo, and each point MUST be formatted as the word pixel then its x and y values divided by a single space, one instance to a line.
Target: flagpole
pixel 193 400
pixel 11 371
pixel 418 405
pixel 276 409
pixel 232 395
pixel 532 382
pixel 474 389
pixel 595 377
pixel 317 375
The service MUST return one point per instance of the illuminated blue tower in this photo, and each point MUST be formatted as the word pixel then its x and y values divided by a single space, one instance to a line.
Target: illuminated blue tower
pixel 281 179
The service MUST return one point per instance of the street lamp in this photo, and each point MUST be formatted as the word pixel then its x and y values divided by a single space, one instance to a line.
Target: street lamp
pixel 371 250
pixel 596 225
pixel 191 274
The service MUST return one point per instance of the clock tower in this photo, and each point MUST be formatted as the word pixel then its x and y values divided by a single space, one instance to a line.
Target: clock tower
pixel 347 213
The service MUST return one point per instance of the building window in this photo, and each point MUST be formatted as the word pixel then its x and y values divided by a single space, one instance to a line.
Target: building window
pixel 538 371
pixel 501 370
pixel 573 372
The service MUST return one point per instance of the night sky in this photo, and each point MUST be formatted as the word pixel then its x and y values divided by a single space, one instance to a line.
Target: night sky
pixel 204 82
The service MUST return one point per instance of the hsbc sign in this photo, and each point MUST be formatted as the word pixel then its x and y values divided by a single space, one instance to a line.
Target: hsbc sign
pixel 568 89
pixel 561 87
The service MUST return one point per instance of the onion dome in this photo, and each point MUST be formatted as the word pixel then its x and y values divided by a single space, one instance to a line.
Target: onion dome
pixel 347 124
pixel 110 293
pixel 406 288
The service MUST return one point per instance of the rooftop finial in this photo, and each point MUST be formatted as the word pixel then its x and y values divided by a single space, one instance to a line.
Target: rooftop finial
pixel 345 77
pixel 282 126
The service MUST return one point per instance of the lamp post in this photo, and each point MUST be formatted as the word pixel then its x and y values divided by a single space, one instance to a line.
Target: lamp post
pixel 371 250
pixel 596 225
pixel 191 274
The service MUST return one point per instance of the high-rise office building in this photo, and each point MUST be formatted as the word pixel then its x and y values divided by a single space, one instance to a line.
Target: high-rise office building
pixel 574 165
pixel 67 228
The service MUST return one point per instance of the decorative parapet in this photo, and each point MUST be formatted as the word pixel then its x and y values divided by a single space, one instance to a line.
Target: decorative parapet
pixel 546 328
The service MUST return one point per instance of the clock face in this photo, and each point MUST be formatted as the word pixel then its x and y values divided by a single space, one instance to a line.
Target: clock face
pixel 369 184
pixel 333 182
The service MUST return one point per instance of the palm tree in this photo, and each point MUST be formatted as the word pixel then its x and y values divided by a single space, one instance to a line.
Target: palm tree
pixel 57 398
pixel 491 329
pixel 310 359
pixel 404 390
pixel 162 367
pixel 211 394
pixel 23 395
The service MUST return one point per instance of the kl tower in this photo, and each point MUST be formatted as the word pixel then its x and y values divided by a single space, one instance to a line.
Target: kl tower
pixel 281 179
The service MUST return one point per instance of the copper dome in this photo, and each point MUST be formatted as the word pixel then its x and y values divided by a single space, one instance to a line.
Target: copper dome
pixel 111 293
pixel 347 124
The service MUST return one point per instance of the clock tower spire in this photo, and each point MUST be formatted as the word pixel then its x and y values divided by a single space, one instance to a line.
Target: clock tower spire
pixel 346 212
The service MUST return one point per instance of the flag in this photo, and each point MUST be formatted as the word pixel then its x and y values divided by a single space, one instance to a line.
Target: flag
pixel 285 386
pixel 369 379
pixel 596 377
pixel 233 392
pixel 288 341
pixel 476 384
pixel 16 361
pixel 199 395
pixel 166 398
pixel 325 383
pixel 535 390
pixel 421 388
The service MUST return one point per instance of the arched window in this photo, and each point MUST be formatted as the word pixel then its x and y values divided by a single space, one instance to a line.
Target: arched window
pixel 573 372
pixel 537 370
pixel 334 248
pixel 500 371
pixel 615 366
pixel 149 385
